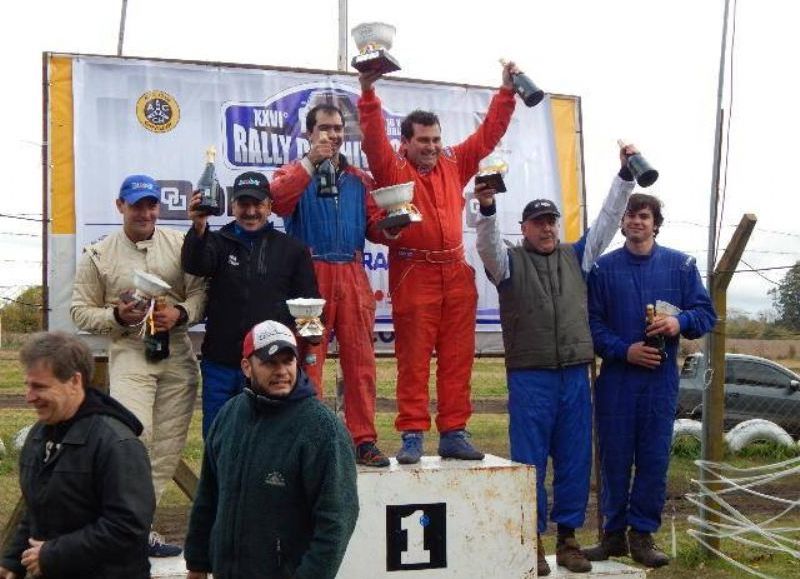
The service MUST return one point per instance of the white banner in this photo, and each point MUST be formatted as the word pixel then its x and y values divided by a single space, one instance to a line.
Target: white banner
pixel 158 118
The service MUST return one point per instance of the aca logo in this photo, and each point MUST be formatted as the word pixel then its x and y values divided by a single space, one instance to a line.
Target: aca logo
pixel 273 133
pixel 158 111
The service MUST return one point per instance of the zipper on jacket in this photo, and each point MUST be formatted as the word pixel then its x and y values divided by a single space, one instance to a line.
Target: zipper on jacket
pixel 278 553
pixel 555 311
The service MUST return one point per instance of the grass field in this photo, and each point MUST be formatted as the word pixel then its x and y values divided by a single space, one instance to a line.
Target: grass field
pixel 489 432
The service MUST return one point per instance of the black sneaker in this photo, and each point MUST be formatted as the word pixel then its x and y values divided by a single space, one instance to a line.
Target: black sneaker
pixel 158 548
pixel 368 454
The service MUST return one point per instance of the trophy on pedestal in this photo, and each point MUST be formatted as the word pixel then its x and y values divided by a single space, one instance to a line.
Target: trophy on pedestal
pixel 491 171
pixel 374 39
pixel 396 199
pixel 306 313
pixel 150 291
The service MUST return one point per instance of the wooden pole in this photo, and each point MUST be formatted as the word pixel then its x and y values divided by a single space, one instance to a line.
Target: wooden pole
pixel 713 448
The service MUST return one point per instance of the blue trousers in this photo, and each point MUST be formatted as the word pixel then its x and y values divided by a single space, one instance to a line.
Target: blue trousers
pixel 550 414
pixel 635 410
pixel 220 384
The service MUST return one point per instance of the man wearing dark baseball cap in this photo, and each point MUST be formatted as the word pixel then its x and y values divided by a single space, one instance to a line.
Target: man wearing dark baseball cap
pixel 251 184
pixel 275 448
pixel 253 269
pixel 541 286
pixel 539 207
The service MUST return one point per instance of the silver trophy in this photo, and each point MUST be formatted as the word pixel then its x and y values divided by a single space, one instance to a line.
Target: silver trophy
pixel 147 287
pixel 396 200
pixel 306 313
pixel 374 39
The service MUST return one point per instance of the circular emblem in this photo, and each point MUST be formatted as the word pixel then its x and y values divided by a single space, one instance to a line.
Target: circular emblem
pixel 272 349
pixel 158 111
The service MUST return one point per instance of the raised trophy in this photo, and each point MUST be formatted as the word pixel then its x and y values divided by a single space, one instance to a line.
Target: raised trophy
pixel 374 39
pixel 396 199
pixel 306 313
pixel 491 171
pixel 642 171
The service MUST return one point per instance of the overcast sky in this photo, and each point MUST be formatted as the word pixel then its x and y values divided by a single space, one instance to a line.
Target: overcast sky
pixel 646 71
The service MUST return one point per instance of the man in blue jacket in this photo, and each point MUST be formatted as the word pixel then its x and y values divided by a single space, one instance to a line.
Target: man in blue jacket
pixel 636 392
pixel 277 494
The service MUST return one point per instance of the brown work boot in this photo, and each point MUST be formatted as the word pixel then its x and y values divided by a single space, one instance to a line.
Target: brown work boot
pixel 613 544
pixel 542 568
pixel 644 550
pixel 569 555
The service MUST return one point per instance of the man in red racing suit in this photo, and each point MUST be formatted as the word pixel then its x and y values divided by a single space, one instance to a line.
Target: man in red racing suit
pixel 432 287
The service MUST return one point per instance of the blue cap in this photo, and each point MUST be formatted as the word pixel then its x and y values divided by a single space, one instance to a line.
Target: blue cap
pixel 137 187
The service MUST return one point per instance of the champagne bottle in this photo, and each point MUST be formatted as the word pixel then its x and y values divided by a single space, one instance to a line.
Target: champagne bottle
pixel 641 170
pixel 209 187
pixel 156 344
pixel 530 94
pixel 656 341
pixel 326 179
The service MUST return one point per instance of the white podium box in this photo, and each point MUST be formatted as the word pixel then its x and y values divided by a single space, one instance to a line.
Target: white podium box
pixel 444 518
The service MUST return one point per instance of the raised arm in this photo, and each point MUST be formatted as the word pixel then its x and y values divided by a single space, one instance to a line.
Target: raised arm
pixel 491 249
pixel 483 141
pixel 376 146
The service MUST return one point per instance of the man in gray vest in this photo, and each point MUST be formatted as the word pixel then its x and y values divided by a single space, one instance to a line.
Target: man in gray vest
pixel 548 348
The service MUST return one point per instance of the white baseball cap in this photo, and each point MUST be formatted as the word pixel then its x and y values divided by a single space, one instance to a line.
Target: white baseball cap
pixel 267 339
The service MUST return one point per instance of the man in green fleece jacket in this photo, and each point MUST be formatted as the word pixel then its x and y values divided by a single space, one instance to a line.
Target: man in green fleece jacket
pixel 277 496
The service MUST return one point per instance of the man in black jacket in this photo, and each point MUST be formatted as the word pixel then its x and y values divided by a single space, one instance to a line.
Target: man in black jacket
pixel 253 270
pixel 84 474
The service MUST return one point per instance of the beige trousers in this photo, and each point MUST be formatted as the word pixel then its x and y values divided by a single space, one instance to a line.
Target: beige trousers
pixel 161 395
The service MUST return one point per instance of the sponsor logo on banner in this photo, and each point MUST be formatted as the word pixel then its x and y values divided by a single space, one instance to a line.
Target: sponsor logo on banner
pixel 272 133
pixel 175 196
pixel 158 111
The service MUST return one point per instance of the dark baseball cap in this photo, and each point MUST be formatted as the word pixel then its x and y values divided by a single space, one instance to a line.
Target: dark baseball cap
pixel 539 207
pixel 251 184
pixel 136 187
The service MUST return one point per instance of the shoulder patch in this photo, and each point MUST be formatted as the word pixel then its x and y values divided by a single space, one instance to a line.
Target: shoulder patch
pixel 449 153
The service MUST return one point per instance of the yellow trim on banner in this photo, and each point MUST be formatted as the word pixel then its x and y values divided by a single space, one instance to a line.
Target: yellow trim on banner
pixel 565 133
pixel 62 154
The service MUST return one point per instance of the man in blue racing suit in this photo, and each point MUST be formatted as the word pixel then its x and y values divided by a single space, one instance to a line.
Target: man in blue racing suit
pixel 637 390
